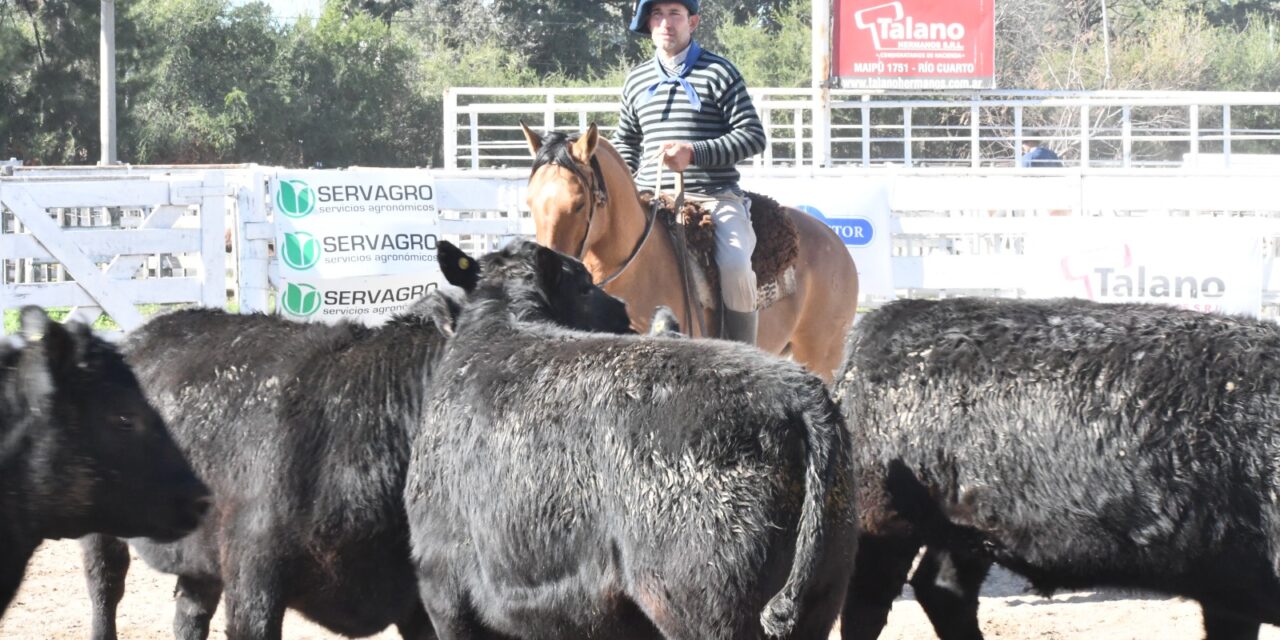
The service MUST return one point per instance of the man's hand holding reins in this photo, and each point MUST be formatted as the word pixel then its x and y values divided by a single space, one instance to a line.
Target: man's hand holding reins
pixel 677 156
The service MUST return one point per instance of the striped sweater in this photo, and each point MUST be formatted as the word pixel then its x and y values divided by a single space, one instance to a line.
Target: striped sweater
pixel 725 132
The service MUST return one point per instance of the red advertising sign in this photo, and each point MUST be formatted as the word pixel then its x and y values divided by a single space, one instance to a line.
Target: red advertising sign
pixel 914 44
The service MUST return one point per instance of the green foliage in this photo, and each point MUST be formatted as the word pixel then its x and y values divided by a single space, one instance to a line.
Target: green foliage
pixel 349 98
pixel 1171 48
pixel 58 48
pixel 771 58
pixel 103 323
pixel 562 35
pixel 205 81
pixel 201 86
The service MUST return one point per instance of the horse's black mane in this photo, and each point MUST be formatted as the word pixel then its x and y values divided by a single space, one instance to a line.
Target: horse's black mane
pixel 555 150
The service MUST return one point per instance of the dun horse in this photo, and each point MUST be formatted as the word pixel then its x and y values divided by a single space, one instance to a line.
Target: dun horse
pixel 604 225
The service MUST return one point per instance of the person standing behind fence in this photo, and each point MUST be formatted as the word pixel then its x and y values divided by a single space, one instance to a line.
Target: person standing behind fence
pixel 691 107
pixel 1035 155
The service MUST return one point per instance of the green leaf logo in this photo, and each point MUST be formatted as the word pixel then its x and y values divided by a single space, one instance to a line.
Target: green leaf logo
pixel 301 250
pixel 295 198
pixel 300 299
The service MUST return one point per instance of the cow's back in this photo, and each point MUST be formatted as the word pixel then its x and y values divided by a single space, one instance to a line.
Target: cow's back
pixel 1092 443
pixel 623 460
pixel 217 378
pixel 301 429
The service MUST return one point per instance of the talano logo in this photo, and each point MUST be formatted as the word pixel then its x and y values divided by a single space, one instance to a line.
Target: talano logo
pixel 300 299
pixel 888 22
pixel 301 250
pixel 295 198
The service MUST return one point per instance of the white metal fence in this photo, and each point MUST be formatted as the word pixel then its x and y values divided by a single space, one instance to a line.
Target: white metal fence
pixel 1101 129
pixel 954 230
pixel 102 244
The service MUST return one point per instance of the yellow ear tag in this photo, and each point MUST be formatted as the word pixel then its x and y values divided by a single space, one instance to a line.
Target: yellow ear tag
pixel 464 264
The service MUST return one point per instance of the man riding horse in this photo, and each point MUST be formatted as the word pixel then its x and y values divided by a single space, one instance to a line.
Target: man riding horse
pixel 689 109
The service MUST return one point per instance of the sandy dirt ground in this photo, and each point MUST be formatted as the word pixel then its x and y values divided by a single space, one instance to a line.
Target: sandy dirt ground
pixel 52 605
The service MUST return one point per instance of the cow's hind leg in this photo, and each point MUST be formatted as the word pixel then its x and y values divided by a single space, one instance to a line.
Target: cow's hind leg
pixel 947 585
pixel 662 608
pixel 254 581
pixel 13 564
pixel 197 601
pixel 1227 627
pixel 879 570
pixel 451 613
pixel 416 625
pixel 106 564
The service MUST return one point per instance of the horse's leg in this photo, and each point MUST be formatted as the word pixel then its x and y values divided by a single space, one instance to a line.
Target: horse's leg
pixel 818 353
pixel 827 284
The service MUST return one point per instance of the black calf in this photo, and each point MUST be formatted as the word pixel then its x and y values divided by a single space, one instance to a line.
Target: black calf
pixel 568 485
pixel 1079 444
pixel 80 449
pixel 303 432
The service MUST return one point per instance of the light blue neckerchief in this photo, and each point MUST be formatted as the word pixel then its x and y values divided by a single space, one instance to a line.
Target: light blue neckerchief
pixel 690 59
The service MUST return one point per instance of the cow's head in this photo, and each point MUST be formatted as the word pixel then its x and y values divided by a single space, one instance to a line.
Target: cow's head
pixel 92 455
pixel 543 282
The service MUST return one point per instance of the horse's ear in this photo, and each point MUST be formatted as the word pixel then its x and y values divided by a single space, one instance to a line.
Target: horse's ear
pixel 534 140
pixel 585 147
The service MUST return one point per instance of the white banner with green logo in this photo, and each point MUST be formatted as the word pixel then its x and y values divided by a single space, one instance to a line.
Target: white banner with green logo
pixel 331 247
pixel 353 245
pixel 365 299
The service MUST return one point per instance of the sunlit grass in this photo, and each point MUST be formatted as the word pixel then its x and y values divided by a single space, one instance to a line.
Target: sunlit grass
pixel 104 322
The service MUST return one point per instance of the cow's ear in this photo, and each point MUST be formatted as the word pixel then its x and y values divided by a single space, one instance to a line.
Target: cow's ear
pixel 49 350
pixel 59 342
pixel 34 323
pixel 460 269
pixel 550 268
pixel 534 140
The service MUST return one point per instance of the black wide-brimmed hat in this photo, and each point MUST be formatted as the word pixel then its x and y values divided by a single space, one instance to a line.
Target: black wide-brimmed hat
pixel 640 21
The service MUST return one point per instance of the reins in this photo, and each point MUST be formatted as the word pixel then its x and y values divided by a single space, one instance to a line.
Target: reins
pixel 644 237
pixel 680 242
pixel 651 216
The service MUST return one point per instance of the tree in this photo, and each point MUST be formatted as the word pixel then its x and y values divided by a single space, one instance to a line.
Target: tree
pixel 778 57
pixel 349 97
pixel 52 84
pixel 202 88
pixel 577 38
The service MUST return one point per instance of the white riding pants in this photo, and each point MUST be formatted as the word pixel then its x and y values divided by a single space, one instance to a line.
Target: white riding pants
pixel 735 241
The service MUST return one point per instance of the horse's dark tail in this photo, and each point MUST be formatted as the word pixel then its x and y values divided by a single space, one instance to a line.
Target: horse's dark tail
pixel 822 424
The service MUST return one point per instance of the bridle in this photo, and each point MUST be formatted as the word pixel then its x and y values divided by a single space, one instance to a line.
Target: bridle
pixel 595 185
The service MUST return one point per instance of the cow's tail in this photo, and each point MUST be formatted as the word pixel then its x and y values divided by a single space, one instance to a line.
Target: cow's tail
pixel 823 425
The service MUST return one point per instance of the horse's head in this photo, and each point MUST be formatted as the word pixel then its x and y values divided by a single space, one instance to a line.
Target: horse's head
pixel 566 188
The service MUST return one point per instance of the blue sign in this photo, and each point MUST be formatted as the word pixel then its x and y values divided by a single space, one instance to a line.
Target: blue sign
pixel 855 232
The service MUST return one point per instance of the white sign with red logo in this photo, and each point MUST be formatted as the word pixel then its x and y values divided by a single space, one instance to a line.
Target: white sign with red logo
pixel 914 44
pixel 1203 264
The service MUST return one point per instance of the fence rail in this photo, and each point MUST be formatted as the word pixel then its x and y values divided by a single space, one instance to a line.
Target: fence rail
pixel 1102 129
pixel 953 229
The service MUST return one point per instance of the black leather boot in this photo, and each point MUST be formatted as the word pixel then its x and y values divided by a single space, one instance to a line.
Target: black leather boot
pixel 740 326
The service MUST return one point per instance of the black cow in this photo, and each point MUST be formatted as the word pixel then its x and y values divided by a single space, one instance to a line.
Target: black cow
pixel 664 323
pixel 1078 444
pixel 303 431
pixel 80 449
pixel 567 485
